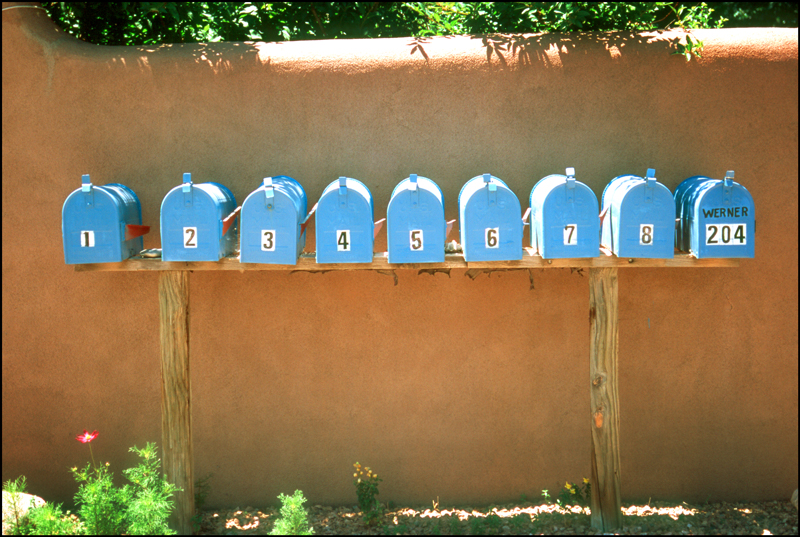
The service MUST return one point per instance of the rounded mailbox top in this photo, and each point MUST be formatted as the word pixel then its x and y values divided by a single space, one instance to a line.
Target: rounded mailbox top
pixel 422 183
pixel 478 182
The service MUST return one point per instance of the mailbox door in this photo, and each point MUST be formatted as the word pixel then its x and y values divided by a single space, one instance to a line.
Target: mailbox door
pixel 415 223
pixel 92 228
pixel 270 231
pixel 567 224
pixel 493 230
pixel 345 224
pixel 722 223
pixel 190 231
pixel 646 221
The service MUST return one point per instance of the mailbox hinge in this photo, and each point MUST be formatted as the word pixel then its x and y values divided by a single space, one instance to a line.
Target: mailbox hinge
pixel 187 189
pixel 342 191
pixel 570 185
pixel 492 191
pixel 727 187
pixel 649 184
pixel 86 188
pixel 269 192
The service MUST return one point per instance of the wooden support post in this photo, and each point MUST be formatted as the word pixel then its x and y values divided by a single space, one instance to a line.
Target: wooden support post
pixel 606 500
pixel 176 395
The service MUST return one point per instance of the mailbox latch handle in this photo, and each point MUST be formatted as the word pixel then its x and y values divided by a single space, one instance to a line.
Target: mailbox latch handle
pixel 414 188
pixel 570 185
pixel 269 192
pixel 187 189
pixel 649 184
pixel 727 187
pixel 492 191
pixel 342 191
pixel 86 188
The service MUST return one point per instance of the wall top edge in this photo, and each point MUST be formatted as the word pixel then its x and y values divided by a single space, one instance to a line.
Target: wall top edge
pixel 497 51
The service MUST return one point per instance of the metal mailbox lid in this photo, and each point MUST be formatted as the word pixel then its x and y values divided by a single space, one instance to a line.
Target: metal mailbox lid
pixel 191 222
pixel 719 219
pixel 638 218
pixel 416 227
pixel 565 220
pixel 93 220
pixel 344 223
pixel 490 220
pixel 271 222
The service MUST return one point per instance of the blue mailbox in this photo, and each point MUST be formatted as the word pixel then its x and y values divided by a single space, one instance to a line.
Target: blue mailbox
pixel 101 224
pixel 491 227
pixel 272 218
pixel 565 220
pixel 716 218
pixel 345 230
pixel 416 229
pixel 638 217
pixel 198 222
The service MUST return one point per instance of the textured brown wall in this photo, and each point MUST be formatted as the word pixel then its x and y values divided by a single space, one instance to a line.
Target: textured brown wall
pixel 472 391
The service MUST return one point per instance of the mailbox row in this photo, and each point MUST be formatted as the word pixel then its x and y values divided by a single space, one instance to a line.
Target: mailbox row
pixel 200 222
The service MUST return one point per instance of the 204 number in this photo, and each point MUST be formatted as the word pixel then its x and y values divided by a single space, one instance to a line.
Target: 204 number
pixel 735 234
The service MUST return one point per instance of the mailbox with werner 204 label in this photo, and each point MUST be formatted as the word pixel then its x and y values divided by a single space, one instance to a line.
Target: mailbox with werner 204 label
pixel 344 227
pixel 565 220
pixel 716 218
pixel 415 228
pixel 273 218
pixel 491 227
pixel 101 224
pixel 638 217
pixel 198 222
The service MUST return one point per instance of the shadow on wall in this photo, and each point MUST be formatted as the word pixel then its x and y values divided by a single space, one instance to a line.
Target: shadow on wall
pixel 529 50
pixel 525 49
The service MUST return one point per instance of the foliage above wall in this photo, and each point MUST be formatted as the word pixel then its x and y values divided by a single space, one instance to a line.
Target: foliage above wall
pixel 150 23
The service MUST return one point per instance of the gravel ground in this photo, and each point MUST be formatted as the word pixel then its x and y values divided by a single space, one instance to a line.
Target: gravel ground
pixel 660 518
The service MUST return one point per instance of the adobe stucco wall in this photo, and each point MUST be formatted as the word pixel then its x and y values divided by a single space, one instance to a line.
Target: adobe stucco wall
pixel 472 391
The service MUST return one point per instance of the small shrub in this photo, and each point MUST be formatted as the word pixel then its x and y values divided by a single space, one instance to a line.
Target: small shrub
pixel 293 519
pixel 366 490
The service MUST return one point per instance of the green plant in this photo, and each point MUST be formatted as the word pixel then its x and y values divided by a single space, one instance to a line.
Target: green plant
pixel 546 496
pixel 573 494
pixel 101 504
pixel 455 525
pixel 293 519
pixel 140 508
pixel 46 519
pixel 149 503
pixel 201 490
pixel 476 526
pixel 519 521
pixel 11 513
pixel 493 521
pixel 150 23
pixel 367 489
pixel 690 48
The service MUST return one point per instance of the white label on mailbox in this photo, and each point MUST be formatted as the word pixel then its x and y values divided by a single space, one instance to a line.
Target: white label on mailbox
pixel 268 240
pixel 416 240
pixel 570 234
pixel 190 237
pixel 646 234
pixel 492 235
pixel 342 240
pixel 730 234
pixel 87 239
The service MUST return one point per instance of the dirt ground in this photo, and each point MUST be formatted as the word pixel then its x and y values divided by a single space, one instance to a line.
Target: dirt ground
pixel 658 518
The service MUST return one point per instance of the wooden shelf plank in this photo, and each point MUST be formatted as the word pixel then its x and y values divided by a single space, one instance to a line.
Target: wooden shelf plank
pixel 380 261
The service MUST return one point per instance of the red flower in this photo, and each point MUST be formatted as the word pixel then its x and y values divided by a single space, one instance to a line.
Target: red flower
pixel 86 437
